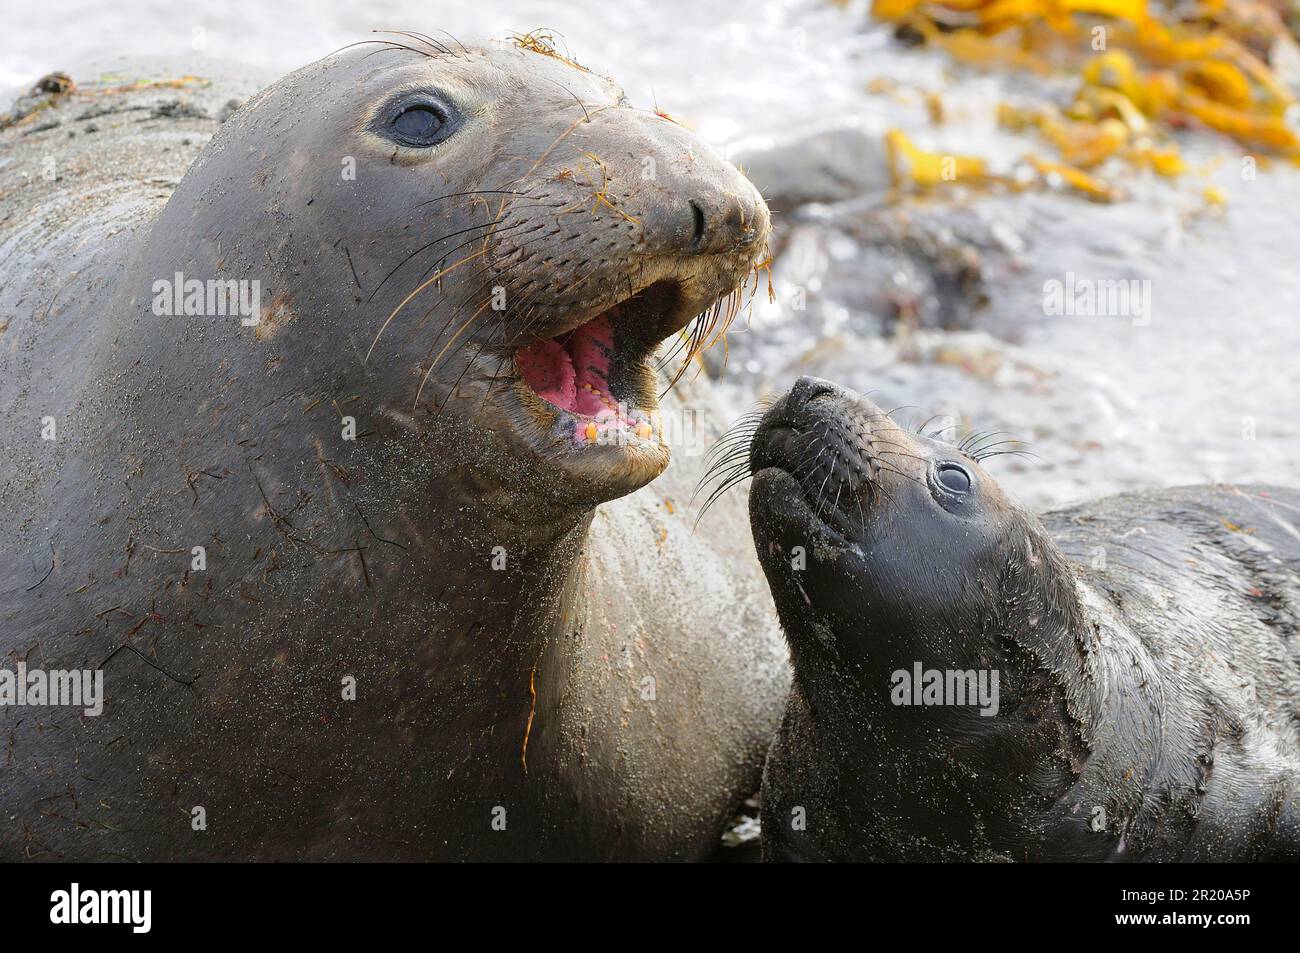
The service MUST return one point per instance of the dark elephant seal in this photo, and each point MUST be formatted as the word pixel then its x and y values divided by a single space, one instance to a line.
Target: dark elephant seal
pixel 425 625
pixel 1148 698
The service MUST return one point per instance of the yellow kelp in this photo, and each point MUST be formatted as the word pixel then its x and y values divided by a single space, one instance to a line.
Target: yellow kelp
pixel 1087 185
pixel 1143 67
pixel 909 165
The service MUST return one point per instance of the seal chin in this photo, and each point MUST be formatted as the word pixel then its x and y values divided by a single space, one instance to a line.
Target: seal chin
pixel 787 513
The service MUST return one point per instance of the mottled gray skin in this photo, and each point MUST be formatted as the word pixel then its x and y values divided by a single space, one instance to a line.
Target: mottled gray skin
pixel 613 688
pixel 1147 646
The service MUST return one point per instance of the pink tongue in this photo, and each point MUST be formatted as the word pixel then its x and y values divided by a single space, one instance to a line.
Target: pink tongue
pixel 549 371
pixel 573 376
pixel 591 345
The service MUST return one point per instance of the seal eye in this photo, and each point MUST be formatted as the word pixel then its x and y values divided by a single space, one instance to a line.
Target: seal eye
pixel 419 125
pixel 954 478
pixel 417 119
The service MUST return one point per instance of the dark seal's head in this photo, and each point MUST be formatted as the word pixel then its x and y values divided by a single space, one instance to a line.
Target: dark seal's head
pixel 910 550
pixel 935 631
pixel 485 245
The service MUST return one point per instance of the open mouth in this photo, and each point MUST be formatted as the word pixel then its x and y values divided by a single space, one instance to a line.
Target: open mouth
pixel 597 376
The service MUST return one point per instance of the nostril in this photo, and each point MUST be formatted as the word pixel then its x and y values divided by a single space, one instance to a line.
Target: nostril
pixel 697 223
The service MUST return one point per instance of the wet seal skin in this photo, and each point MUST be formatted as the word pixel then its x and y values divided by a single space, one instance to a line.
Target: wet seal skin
pixel 1148 691
pixel 362 565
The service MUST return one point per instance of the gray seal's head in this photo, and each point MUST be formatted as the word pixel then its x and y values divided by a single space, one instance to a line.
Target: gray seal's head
pixel 487 244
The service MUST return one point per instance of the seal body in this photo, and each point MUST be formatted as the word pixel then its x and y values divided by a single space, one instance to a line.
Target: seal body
pixel 353 547
pixel 1119 680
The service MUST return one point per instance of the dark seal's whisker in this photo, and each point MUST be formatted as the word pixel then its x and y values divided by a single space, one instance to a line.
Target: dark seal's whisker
pixel 973 439
pixel 463 49
pixel 496 226
pixel 421 287
pixel 727 461
pixel 1027 454
pixel 506 341
pixel 469 302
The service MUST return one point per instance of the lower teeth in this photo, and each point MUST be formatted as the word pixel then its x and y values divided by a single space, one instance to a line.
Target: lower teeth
pixel 617 428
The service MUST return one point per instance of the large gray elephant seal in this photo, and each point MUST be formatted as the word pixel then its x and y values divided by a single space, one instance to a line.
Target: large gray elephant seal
pixel 346 546
pixel 1119 680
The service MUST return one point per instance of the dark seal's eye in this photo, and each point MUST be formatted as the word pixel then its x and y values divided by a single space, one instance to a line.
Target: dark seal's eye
pixel 954 478
pixel 420 121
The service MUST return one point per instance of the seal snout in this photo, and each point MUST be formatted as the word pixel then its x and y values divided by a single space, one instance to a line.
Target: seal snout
pixel 622 232
pixel 808 389
pixel 842 450
pixel 812 406
pixel 726 220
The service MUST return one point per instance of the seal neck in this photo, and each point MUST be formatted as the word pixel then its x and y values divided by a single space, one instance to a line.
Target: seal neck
pixel 1012 681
